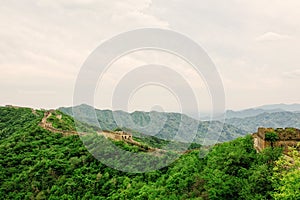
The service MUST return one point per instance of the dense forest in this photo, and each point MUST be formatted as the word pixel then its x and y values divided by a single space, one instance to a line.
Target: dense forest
pixel 38 164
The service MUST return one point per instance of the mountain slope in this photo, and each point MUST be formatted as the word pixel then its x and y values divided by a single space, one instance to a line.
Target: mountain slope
pixel 286 107
pixel 162 125
pixel 251 112
pixel 36 163
pixel 274 120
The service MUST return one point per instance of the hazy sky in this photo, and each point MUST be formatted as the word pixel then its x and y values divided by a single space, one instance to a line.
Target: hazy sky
pixel 255 46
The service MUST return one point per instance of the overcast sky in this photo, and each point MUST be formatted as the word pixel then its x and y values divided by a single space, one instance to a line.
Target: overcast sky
pixel 255 46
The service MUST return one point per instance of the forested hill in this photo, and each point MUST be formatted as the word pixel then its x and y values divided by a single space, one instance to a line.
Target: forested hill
pixel 162 125
pixel 36 163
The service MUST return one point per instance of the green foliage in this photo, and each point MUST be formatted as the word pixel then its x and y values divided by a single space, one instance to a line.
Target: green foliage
pixel 151 141
pixel 235 171
pixel 118 129
pixel 14 120
pixel 64 123
pixel 290 130
pixel 129 147
pixel 38 164
pixel 271 137
pixel 195 146
pixel 286 178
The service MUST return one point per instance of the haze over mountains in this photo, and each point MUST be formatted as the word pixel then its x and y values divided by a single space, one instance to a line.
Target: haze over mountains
pixel 272 108
pixel 276 116
pixel 287 107
pixel 274 120
pixel 163 125
pixel 184 128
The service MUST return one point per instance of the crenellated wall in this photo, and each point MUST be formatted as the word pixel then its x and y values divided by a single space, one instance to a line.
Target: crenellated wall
pixel 288 137
pixel 118 135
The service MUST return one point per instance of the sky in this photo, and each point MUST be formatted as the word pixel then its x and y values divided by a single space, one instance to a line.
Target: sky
pixel 254 45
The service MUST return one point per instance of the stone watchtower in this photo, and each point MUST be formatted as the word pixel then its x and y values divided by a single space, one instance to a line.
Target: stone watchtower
pixel 288 137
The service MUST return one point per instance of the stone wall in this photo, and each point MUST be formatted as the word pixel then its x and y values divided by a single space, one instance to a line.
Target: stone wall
pixel 48 125
pixel 288 137
pixel 118 135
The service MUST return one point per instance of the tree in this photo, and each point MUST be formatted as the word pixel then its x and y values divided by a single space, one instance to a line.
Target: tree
pixel 271 137
pixel 286 178
pixel 118 129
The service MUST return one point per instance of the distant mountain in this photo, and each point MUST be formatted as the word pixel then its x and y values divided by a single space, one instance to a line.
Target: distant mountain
pixel 275 120
pixel 249 112
pixel 168 126
pixel 286 107
pixel 43 162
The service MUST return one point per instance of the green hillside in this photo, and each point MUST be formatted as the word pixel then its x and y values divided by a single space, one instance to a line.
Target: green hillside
pixel 159 124
pixel 38 164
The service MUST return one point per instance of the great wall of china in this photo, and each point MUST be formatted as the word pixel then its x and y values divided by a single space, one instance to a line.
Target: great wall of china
pixel 288 137
pixel 116 136
pixel 48 125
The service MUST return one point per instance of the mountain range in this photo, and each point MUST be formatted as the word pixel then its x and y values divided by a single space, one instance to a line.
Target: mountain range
pixel 272 108
pixel 274 115
pixel 287 107
pixel 43 157
pixel 163 125
pixel 274 120
pixel 182 127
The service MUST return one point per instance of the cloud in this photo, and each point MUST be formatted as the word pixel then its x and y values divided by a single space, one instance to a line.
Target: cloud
pixel 49 40
pixel 271 36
